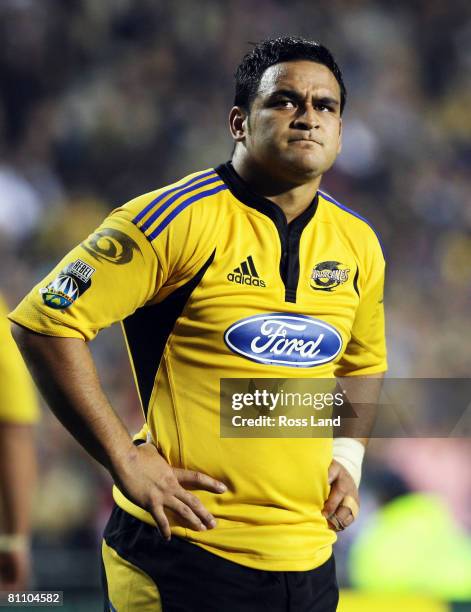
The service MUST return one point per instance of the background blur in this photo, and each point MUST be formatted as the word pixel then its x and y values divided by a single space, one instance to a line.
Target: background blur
pixel 102 101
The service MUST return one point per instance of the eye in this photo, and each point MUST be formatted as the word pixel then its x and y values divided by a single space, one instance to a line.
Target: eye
pixel 284 103
pixel 325 108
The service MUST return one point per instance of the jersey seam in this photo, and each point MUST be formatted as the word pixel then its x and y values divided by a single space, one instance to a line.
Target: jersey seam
pixel 190 273
pixel 171 385
pixel 366 349
pixel 133 369
pixel 13 317
pixel 121 211
pixel 358 341
pixel 156 255
pixel 150 411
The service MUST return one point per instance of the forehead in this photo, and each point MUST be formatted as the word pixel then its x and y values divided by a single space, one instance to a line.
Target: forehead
pixel 300 75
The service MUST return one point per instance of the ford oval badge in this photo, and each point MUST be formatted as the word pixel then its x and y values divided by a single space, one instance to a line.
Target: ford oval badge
pixel 292 340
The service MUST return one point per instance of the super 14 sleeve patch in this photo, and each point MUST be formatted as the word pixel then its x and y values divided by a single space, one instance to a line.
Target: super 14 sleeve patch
pixel 71 282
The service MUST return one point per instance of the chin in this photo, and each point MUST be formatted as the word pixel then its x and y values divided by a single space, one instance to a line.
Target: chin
pixel 306 166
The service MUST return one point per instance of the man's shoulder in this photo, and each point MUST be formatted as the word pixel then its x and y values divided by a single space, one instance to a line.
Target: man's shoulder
pixel 350 221
pixel 152 212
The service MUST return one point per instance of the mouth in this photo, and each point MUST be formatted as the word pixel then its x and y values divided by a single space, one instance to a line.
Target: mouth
pixel 307 140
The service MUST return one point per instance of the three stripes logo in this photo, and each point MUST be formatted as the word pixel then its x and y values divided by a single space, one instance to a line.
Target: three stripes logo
pixel 246 274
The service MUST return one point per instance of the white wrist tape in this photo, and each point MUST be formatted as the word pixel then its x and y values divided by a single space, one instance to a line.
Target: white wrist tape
pixel 13 543
pixel 349 452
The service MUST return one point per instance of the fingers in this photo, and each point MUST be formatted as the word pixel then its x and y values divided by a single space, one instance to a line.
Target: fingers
pixel 191 479
pixel 159 488
pixel 186 513
pixel 342 488
pixel 334 523
pixel 340 518
pixel 334 471
pixel 197 507
pixel 344 516
pixel 339 523
pixel 333 501
pixel 189 510
pixel 337 515
pixel 187 505
pixel 163 525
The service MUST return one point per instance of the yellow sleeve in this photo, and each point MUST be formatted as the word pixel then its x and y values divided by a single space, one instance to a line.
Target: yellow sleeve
pixel 366 351
pixel 114 272
pixel 18 400
pixel 104 279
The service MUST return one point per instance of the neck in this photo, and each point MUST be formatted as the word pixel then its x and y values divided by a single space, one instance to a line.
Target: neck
pixel 293 198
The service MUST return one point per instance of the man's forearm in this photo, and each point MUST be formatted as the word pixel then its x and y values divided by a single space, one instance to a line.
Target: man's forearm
pixel 350 439
pixel 18 477
pixel 64 371
pixel 362 394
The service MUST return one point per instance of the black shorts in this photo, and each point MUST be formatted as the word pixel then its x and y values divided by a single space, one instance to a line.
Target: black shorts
pixel 142 572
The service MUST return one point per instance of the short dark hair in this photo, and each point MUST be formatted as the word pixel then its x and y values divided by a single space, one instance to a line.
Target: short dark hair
pixel 273 51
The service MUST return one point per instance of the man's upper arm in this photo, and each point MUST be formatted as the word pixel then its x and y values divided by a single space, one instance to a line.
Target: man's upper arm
pixel 102 280
pixel 18 401
pixel 116 270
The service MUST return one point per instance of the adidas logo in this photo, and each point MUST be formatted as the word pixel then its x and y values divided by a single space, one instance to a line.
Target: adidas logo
pixel 246 274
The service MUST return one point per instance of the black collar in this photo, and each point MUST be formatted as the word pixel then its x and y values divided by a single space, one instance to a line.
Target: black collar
pixel 243 192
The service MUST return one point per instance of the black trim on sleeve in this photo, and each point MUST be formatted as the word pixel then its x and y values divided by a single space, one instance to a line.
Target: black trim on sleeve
pixel 290 234
pixel 148 329
pixel 355 281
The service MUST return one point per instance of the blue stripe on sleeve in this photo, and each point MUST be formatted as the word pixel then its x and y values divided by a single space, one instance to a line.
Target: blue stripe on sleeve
pixel 204 194
pixel 355 214
pixel 162 195
pixel 155 215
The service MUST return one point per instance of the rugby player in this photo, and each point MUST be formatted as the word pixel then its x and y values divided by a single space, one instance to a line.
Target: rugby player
pixel 246 270
pixel 18 414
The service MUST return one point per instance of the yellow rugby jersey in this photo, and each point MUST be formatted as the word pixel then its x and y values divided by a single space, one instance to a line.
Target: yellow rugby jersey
pixel 18 402
pixel 211 282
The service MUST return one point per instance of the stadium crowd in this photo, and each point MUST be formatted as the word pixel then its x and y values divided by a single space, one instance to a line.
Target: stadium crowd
pixel 102 101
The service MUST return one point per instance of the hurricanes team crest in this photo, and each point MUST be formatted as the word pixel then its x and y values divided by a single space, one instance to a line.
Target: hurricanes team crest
pixel 328 275
pixel 68 285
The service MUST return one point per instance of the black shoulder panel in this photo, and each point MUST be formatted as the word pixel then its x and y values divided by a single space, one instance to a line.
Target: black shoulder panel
pixel 148 329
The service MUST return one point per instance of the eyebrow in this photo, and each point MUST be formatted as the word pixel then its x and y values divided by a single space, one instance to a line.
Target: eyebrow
pixel 291 93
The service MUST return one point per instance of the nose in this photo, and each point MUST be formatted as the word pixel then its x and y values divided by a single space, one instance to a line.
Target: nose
pixel 306 118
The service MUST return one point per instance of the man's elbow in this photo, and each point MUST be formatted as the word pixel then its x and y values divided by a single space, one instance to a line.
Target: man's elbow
pixel 30 343
pixel 21 335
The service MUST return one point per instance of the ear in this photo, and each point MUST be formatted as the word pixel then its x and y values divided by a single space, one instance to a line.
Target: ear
pixel 238 123
pixel 339 147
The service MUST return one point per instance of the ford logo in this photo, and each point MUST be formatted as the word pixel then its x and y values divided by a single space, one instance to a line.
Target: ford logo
pixel 292 340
